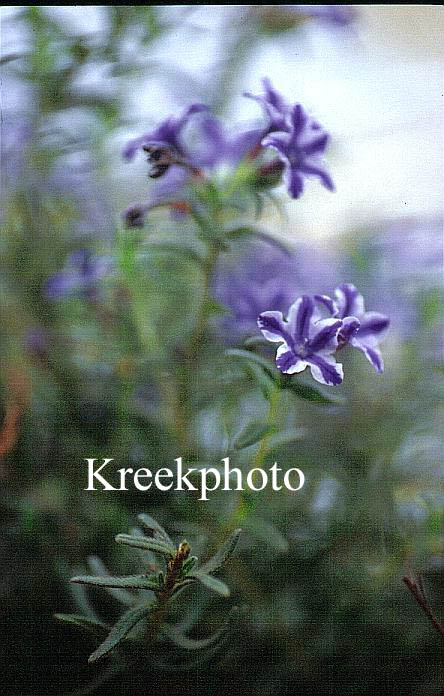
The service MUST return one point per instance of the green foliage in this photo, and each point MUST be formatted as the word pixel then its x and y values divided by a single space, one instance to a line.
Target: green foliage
pixel 307 392
pixel 177 571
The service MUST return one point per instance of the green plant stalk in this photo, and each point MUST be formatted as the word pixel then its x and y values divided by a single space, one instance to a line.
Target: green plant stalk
pixel 174 569
pixel 182 411
pixel 244 505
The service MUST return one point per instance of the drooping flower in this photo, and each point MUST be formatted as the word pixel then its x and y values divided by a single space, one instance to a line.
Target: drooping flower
pixel 81 274
pixel 301 150
pixel 167 133
pixel 307 341
pixel 362 330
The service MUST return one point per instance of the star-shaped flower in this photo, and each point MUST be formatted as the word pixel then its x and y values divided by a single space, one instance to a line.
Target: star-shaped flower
pixel 362 330
pixel 307 341
pixel 301 149
pixel 167 133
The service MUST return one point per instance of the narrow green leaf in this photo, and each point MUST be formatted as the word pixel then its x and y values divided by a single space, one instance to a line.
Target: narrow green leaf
pixel 262 378
pixel 146 543
pixel 252 434
pixel 189 564
pixel 180 586
pixel 249 231
pixel 129 582
pixel 212 583
pixel 308 392
pixel 91 625
pixel 147 557
pixel 183 641
pixel 120 630
pixel 267 532
pixel 246 355
pixel 285 437
pixel 97 567
pixel 153 526
pixel 223 554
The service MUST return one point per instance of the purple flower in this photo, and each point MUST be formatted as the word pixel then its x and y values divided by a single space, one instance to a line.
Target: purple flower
pixel 274 106
pixel 360 329
pixel 307 341
pixel 167 133
pixel 301 150
pixel 260 276
pixel 219 146
pixel 81 274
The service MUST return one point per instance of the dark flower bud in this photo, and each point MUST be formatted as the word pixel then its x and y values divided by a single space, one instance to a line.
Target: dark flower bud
pixel 135 216
pixel 268 175
pixel 160 157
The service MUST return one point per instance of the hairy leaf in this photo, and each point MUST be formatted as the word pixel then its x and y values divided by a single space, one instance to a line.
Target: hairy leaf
pixel 152 525
pixel 94 626
pixel 97 566
pixel 183 641
pixel 212 583
pixel 223 554
pixel 285 437
pixel 129 582
pixel 145 543
pixel 120 630
pixel 189 564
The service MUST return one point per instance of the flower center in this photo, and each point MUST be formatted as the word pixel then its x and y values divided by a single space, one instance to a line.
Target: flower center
pixel 302 348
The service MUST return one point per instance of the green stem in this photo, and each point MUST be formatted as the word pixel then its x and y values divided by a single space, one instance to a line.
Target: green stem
pixel 187 365
pixel 244 504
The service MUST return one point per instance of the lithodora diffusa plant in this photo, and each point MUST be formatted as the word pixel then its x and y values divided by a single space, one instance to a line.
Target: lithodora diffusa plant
pixel 151 594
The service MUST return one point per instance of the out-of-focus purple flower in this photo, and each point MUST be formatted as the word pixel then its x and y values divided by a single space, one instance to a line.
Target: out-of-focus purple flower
pixel 81 274
pixel 306 341
pixel 274 106
pixel 402 272
pixel 362 330
pixel 301 150
pixel 216 145
pixel 167 133
pixel 341 15
pixel 262 276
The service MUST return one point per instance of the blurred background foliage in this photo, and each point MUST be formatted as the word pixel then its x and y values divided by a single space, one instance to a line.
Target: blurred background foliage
pixel 319 572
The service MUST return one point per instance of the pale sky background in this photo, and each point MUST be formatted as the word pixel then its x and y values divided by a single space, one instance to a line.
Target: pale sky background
pixel 378 89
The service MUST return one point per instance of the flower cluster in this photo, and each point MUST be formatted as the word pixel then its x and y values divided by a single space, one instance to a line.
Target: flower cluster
pixel 309 340
pixel 298 140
